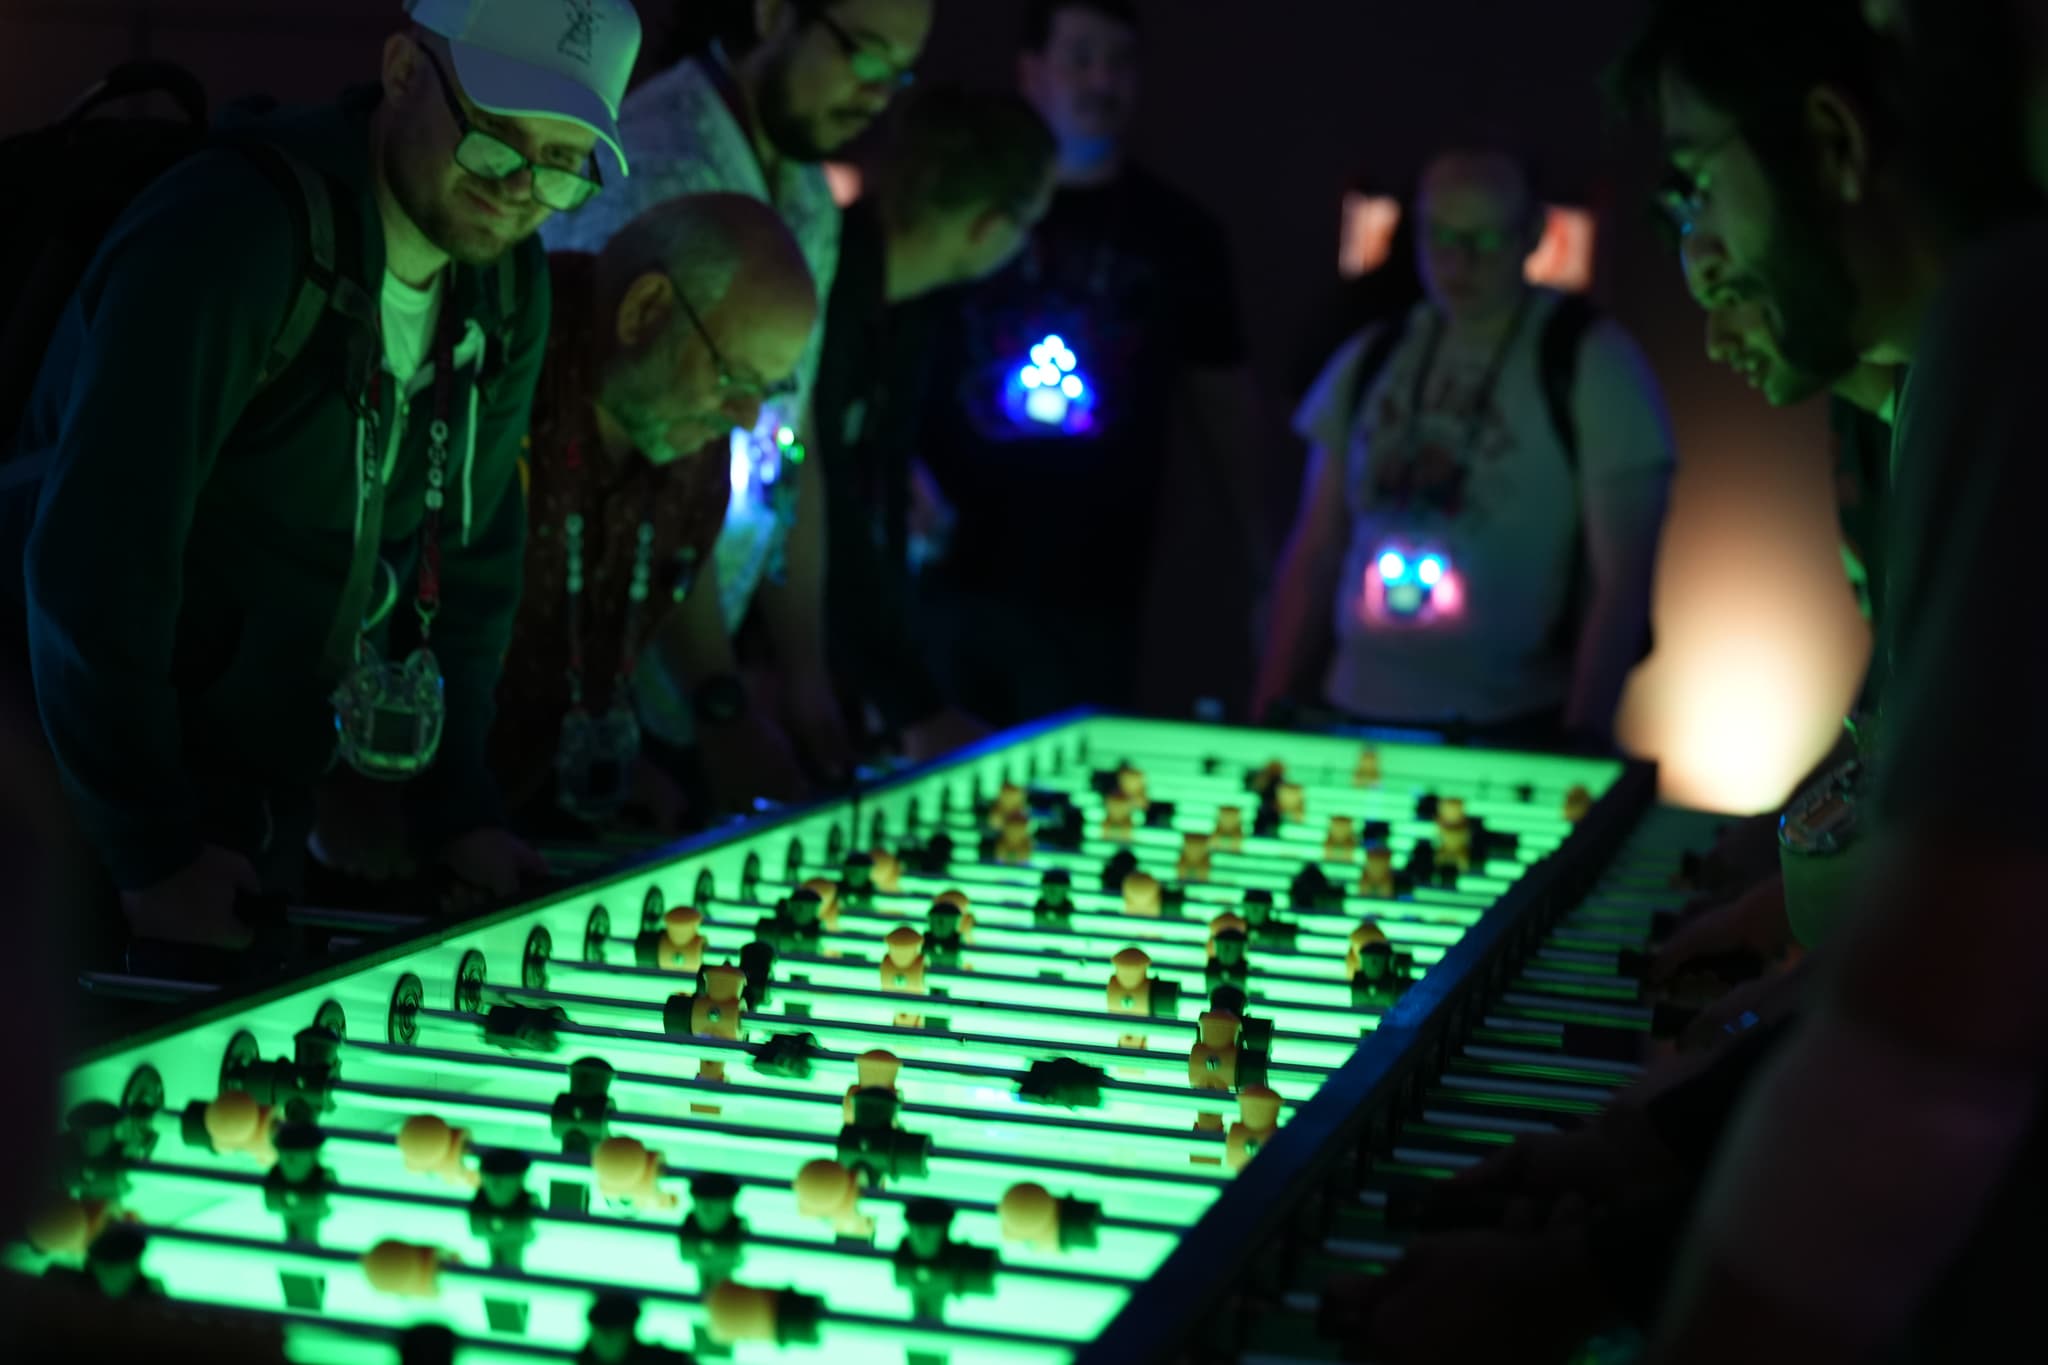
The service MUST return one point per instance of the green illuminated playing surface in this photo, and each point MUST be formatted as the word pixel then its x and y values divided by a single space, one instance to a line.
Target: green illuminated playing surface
pixel 1026 995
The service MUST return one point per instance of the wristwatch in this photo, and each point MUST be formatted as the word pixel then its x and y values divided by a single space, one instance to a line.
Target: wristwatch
pixel 719 700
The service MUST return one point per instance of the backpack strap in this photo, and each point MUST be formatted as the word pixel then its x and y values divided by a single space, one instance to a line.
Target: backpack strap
pixel 1379 351
pixel 1564 336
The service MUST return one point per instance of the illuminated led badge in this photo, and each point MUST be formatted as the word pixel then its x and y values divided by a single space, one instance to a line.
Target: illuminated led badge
pixel 1409 586
pixel 1051 393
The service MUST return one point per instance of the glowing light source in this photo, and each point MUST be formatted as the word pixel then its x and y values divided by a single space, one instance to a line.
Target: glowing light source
pixel 1430 571
pixel 1564 258
pixel 1393 567
pixel 1367 236
pixel 1051 393
pixel 846 182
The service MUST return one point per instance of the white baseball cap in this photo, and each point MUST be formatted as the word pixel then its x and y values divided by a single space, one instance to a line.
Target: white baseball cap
pixel 564 59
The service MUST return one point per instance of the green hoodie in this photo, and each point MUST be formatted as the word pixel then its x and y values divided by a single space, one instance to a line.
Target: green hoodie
pixel 189 537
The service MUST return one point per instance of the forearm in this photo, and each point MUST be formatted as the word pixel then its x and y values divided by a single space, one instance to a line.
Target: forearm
pixel 1808 1219
pixel 1608 652
pixel 691 643
pixel 1299 594
pixel 795 608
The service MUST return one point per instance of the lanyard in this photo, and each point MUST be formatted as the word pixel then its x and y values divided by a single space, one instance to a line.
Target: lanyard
pixel 427 599
pixel 1482 399
pixel 637 589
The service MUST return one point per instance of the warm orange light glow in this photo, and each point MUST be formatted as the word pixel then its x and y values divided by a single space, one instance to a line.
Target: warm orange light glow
pixel 1759 647
pixel 1564 258
pixel 1367 236
pixel 846 182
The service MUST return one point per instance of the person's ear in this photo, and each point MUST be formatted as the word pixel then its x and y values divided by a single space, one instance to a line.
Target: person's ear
pixel 984 225
pixel 646 310
pixel 768 16
pixel 403 69
pixel 1840 138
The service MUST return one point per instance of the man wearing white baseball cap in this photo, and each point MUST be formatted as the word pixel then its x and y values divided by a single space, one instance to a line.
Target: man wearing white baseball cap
pixel 270 535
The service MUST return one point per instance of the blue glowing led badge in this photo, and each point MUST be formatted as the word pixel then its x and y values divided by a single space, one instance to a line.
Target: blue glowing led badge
pixel 1051 394
pixel 1407 586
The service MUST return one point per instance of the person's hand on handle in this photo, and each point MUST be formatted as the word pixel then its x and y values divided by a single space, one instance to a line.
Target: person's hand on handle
pixel 747 760
pixel 196 905
pixel 490 864
pixel 1755 922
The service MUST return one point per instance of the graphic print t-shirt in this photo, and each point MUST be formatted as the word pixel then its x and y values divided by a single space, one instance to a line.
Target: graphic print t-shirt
pixel 1480 478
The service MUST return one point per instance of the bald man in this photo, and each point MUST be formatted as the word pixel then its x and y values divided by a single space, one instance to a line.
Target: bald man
pixel 696 314
pixel 1480 521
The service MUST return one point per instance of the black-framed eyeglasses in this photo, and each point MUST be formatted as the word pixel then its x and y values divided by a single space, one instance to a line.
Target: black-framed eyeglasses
pixel 1684 194
pixel 869 67
pixel 730 383
pixel 492 158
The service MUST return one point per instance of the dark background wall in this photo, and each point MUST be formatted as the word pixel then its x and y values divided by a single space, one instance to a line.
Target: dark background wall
pixel 1266 112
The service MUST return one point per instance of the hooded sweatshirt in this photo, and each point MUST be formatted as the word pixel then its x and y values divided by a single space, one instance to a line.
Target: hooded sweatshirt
pixel 187 535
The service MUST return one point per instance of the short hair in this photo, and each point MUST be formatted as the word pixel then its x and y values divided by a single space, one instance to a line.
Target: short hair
pixel 1756 61
pixel 1040 17
pixel 956 148
pixel 1485 143
pixel 670 237
pixel 1969 75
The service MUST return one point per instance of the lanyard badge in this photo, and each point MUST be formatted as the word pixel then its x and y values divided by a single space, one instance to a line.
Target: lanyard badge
pixel 388 717
pixel 596 756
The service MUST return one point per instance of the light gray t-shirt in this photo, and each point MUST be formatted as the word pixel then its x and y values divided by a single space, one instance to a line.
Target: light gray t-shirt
pixel 682 138
pixel 1479 482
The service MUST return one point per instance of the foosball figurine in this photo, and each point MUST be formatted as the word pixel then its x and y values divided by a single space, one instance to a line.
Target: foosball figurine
pixel 405 1270
pixel 1291 800
pixel 582 1114
pixel 959 901
pixel 1194 858
pixel 431 1147
pixel 903 965
pixel 741 1312
pixel 887 872
pixel 68 1228
pixel 1132 991
pixel 235 1125
pixel 1263 922
pixel 1141 895
pixel 1454 835
pixel 874 1148
pixel 828 1192
pixel 943 940
pixel 1116 818
pixel 1264 782
pixel 1379 881
pixel 615 1336
pixel 716 1012
pixel 298 1189
pixel 1367 771
pixel 713 1236
pixel 1258 1119
pixel 1054 908
pixel 1034 1216
pixel 1011 800
pixel 1363 937
pixel 797 924
pixel 1130 784
pixel 876 1070
pixel 1212 1061
pixel 1340 845
pixel 679 944
pixel 932 1266
pixel 625 1172
pixel 827 892
pixel 1578 804
pixel 502 1214
pixel 1014 844
pixel 1229 837
pixel 1383 975
pixel 1227 964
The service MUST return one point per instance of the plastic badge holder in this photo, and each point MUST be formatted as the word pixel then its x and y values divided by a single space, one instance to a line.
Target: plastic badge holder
pixel 594 763
pixel 1819 851
pixel 389 716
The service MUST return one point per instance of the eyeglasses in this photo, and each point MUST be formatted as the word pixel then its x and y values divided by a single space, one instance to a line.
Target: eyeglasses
pixel 492 158
pixel 1684 195
pixel 869 67
pixel 732 385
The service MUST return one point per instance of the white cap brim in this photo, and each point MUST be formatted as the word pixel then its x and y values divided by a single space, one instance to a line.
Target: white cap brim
pixel 519 90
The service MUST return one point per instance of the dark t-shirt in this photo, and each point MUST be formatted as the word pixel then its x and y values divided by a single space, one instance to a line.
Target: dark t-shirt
pixel 872 378
pixel 1863 452
pixel 1135 279
pixel 1965 734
